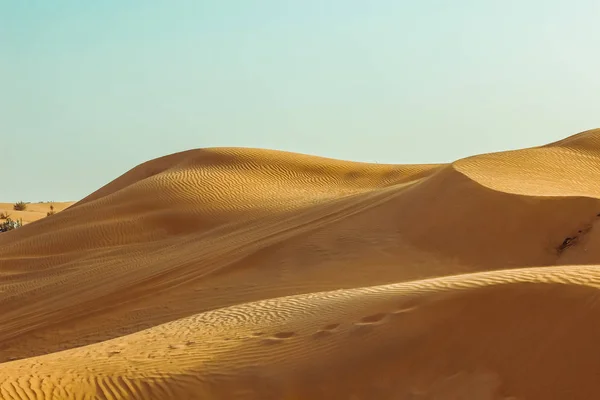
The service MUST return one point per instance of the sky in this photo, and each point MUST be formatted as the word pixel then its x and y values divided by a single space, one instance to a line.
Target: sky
pixel 90 89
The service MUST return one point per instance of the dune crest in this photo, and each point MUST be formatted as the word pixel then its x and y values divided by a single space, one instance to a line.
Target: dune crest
pixel 234 273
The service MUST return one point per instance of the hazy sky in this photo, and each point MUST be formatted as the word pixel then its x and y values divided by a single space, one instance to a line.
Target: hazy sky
pixel 89 89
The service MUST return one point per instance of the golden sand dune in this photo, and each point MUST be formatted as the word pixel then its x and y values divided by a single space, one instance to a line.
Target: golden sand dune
pixel 255 274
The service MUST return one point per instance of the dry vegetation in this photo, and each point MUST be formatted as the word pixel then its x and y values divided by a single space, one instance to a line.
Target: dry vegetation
pixel 20 206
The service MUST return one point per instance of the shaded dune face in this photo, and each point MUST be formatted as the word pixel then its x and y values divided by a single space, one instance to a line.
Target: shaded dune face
pixel 234 273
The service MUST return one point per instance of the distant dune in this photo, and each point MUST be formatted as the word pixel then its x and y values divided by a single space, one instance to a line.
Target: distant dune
pixel 234 273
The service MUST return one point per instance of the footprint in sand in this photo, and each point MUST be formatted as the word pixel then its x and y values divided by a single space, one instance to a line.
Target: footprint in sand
pixel 327 330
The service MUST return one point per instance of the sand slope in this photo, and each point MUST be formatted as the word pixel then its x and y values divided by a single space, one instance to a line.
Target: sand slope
pixel 254 274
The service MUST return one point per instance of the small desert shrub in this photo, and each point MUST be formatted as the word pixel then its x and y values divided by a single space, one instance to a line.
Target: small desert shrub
pixel 20 206
pixel 51 212
pixel 10 224
pixel 4 215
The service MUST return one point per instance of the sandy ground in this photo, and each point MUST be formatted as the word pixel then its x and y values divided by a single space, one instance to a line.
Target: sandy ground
pixel 33 212
pixel 253 274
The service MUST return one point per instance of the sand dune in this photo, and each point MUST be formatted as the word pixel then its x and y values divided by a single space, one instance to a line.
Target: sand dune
pixel 236 273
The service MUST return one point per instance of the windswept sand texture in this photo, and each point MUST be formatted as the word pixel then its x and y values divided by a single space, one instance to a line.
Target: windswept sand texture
pixel 255 274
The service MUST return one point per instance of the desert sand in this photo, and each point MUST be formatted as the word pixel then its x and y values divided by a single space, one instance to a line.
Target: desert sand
pixel 33 212
pixel 235 273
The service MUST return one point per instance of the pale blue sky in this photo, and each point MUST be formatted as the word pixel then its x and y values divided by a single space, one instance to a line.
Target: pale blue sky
pixel 89 89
